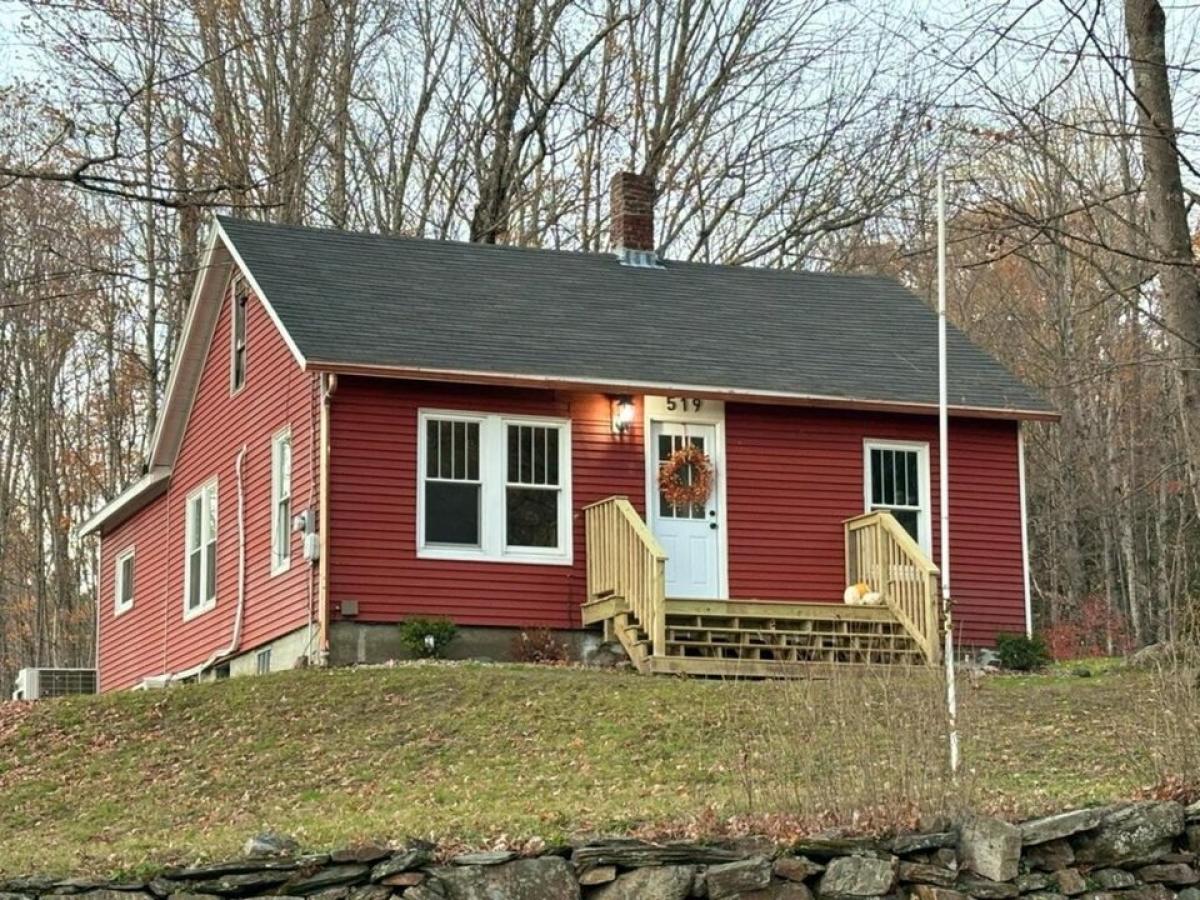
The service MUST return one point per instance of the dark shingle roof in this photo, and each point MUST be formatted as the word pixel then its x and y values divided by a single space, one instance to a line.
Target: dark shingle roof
pixel 370 300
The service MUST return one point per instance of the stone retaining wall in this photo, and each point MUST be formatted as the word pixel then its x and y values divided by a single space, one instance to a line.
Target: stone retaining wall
pixel 1140 851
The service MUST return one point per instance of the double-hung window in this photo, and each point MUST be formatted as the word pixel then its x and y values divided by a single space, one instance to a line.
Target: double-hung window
pixel 494 487
pixel 123 582
pixel 237 333
pixel 453 490
pixel 200 576
pixel 281 502
pixel 897 479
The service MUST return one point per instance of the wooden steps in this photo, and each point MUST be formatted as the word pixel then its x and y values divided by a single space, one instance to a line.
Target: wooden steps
pixel 756 638
pixel 626 582
pixel 759 639
pixel 603 608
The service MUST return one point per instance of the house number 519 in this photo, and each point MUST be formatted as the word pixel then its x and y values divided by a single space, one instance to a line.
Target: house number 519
pixel 684 404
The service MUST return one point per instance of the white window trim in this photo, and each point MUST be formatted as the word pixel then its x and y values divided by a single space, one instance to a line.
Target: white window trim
pixel 924 512
pixel 238 286
pixel 280 564
pixel 493 494
pixel 120 608
pixel 191 613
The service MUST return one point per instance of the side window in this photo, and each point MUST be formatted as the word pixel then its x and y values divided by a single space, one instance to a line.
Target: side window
pixel 123 587
pixel 281 502
pixel 897 481
pixel 200 585
pixel 237 371
pixel 533 495
pixel 452 482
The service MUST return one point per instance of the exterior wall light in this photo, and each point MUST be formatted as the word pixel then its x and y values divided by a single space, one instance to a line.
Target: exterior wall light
pixel 623 412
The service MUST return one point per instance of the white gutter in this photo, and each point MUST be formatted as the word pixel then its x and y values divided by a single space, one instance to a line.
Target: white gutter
pixel 715 392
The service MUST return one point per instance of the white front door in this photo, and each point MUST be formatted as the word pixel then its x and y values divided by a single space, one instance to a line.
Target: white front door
pixel 689 533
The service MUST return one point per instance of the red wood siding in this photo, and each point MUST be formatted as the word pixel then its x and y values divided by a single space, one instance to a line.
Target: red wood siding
pixel 372 505
pixel 795 475
pixel 153 638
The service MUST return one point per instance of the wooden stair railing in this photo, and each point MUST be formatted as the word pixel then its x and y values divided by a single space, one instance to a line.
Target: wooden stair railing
pixel 626 563
pixel 881 553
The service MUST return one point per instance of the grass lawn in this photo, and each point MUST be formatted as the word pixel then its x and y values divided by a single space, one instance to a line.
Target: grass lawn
pixel 481 753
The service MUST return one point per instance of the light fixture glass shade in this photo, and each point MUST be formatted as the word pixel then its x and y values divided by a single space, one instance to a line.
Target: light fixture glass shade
pixel 623 412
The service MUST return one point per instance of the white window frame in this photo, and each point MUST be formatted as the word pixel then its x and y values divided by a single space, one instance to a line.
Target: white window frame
pixel 924 511
pixel 190 612
pixel 239 288
pixel 281 558
pixel 119 580
pixel 493 493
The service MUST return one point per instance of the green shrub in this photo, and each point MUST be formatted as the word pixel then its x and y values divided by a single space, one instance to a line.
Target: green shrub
pixel 427 638
pixel 1022 653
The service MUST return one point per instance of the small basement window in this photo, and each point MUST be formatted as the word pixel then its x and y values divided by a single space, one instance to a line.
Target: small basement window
pixel 262 661
pixel 494 487
pixel 123 587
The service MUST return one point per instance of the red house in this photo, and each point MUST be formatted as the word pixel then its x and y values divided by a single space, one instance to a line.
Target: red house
pixel 359 429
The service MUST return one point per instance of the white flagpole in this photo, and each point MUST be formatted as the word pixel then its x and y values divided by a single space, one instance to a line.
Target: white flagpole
pixel 944 473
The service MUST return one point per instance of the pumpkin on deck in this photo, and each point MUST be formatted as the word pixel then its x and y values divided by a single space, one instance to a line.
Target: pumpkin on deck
pixel 860 594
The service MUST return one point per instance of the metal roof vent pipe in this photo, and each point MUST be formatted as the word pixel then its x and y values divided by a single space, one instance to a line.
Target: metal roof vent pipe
pixel 631 211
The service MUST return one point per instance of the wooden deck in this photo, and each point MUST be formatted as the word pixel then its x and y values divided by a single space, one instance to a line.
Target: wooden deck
pixel 755 638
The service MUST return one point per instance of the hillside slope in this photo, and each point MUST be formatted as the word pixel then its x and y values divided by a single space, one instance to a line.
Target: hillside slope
pixel 480 752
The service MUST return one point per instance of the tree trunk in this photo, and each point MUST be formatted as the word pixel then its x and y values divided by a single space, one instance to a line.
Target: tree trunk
pixel 1145 27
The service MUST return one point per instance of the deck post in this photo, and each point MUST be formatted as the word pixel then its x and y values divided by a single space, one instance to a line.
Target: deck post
pixel 880 562
pixel 658 639
pixel 847 540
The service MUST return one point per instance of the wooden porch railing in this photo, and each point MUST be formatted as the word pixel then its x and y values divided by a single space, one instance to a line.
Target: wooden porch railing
pixel 882 554
pixel 625 560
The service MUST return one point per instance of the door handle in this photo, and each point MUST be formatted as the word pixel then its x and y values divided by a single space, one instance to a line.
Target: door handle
pixel 712 525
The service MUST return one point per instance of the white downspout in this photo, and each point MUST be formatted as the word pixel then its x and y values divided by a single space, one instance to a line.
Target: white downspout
pixel 1024 529
pixel 99 599
pixel 235 637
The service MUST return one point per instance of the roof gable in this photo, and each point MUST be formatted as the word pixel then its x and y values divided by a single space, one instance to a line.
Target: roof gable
pixel 218 262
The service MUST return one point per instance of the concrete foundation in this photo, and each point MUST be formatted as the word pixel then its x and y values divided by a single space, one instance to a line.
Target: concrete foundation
pixel 282 653
pixel 359 643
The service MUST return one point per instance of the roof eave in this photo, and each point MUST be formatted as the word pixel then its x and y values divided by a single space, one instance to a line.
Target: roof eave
pixel 135 497
pixel 715 392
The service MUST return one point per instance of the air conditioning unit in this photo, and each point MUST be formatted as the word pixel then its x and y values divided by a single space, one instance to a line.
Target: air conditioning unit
pixel 42 684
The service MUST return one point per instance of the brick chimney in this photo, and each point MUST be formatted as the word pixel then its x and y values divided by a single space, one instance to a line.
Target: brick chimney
pixel 631 207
